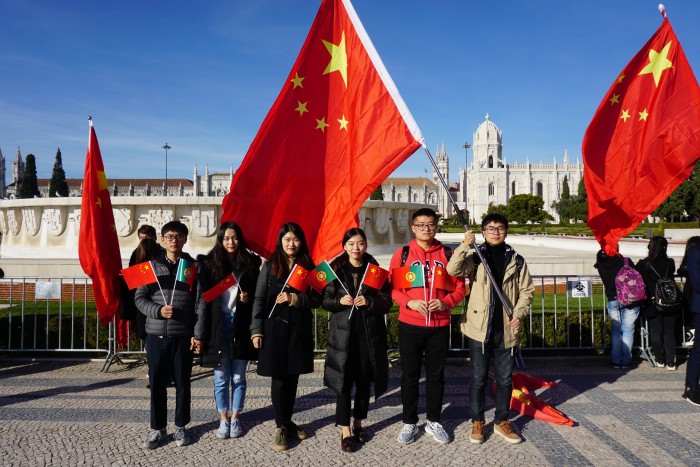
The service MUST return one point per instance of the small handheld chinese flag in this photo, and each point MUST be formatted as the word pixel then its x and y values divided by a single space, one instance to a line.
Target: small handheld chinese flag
pixel 321 276
pixel 442 280
pixel 297 279
pixel 186 272
pixel 225 284
pixel 644 138
pixel 139 274
pixel 407 277
pixel 375 276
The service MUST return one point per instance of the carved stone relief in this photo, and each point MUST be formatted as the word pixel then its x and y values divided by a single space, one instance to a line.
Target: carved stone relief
pixel 402 220
pixel 204 222
pixel 55 220
pixel 31 220
pixel 123 220
pixel 382 220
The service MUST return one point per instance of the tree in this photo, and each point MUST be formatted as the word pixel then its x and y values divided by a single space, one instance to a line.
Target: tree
pixel 563 206
pixel 58 185
pixel 377 194
pixel 578 209
pixel 527 208
pixel 496 209
pixel 29 187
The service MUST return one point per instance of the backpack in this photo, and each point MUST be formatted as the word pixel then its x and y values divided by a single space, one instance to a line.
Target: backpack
pixel 666 292
pixel 629 285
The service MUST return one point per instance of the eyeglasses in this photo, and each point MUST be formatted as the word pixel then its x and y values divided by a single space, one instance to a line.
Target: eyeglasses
pixel 425 226
pixel 178 237
pixel 495 229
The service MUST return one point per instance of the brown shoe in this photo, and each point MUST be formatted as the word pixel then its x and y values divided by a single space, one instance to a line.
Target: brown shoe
pixel 477 434
pixel 280 441
pixel 347 444
pixel 361 435
pixel 504 429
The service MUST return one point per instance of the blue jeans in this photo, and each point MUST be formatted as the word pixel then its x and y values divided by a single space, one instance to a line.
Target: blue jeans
pixel 692 372
pixel 231 370
pixel 480 356
pixel 623 320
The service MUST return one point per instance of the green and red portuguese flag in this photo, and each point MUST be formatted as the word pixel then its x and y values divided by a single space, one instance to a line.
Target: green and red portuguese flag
pixel 321 276
pixel 186 272
pixel 644 138
pixel 407 277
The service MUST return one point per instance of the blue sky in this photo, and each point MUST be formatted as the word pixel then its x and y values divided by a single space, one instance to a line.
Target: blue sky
pixel 203 75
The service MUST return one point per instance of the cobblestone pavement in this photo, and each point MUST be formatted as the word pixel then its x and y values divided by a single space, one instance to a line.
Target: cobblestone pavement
pixel 69 413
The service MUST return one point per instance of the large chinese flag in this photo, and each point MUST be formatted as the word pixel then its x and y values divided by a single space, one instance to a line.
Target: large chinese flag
pixel 98 246
pixel 337 129
pixel 643 140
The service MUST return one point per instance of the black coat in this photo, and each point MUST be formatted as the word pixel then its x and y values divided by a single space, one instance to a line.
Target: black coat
pixel 665 267
pixel 340 327
pixel 288 339
pixel 241 347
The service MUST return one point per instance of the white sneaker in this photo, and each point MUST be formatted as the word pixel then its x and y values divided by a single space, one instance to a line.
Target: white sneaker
pixel 408 433
pixel 438 432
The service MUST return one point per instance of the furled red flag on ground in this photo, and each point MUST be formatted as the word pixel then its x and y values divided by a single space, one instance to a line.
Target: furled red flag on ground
pixel 186 272
pixel 297 279
pixel 442 280
pixel 337 129
pixel 321 276
pixel 528 404
pixel 643 140
pixel 139 274
pixel 98 246
pixel 225 284
pixel 407 277
pixel 375 276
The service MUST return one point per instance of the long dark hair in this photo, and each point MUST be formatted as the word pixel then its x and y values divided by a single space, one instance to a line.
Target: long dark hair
pixel 279 259
pixel 657 249
pixel 344 257
pixel 693 242
pixel 217 260
pixel 146 250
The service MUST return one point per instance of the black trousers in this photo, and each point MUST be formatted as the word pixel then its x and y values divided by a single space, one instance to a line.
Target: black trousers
pixel 358 372
pixel 284 393
pixel 415 343
pixel 662 337
pixel 166 354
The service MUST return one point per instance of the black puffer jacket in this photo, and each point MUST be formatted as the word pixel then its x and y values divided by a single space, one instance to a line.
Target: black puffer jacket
pixel 340 327
pixel 666 268
pixel 189 308
pixel 241 347
pixel 288 340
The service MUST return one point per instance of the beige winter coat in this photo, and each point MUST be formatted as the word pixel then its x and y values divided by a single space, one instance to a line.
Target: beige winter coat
pixel 518 288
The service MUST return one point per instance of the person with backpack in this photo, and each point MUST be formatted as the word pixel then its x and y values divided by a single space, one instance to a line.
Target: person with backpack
pixel 491 331
pixel 424 323
pixel 661 311
pixel 622 312
pixel 692 374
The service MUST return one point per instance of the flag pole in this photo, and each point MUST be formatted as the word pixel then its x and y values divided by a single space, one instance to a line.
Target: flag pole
pixel 358 289
pixel 285 285
pixel 507 306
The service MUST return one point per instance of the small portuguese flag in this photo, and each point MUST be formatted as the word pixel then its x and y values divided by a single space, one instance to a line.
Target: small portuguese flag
pixel 407 277
pixel 186 272
pixel 320 277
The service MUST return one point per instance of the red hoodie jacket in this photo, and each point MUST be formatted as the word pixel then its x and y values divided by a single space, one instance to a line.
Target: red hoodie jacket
pixel 429 259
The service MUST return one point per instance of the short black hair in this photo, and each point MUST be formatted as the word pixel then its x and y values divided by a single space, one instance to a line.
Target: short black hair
pixel 174 226
pixel 496 218
pixel 424 212
pixel 147 230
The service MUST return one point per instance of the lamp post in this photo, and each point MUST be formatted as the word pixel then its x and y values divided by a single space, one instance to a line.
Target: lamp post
pixel 466 147
pixel 166 147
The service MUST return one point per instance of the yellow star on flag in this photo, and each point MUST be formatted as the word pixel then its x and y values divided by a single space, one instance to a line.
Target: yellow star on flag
pixel 321 124
pixel 101 180
pixel 297 81
pixel 339 59
pixel 301 108
pixel 343 123
pixel 643 115
pixel 99 202
pixel 658 62
pixel 615 99
pixel 620 78
pixel 625 115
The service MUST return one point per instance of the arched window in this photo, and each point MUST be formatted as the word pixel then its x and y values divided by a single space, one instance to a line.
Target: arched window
pixel 415 197
pixel 398 197
pixel 432 198
pixel 512 189
pixel 540 190
pixel 490 162
pixel 492 189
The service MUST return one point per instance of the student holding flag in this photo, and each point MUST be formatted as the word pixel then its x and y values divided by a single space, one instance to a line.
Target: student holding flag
pixel 358 300
pixel 282 326
pixel 424 323
pixel 176 324
pixel 229 274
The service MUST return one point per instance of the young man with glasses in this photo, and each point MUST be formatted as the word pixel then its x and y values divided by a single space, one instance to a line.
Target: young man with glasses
pixel 491 332
pixel 424 326
pixel 176 325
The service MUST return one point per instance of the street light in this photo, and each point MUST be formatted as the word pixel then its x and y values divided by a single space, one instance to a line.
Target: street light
pixel 166 147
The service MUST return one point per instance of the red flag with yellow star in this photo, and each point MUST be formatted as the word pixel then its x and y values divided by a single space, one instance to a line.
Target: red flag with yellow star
pixel 98 246
pixel 643 140
pixel 337 129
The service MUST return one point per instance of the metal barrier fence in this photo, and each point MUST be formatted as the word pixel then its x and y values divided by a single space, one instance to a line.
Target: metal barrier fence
pixel 58 315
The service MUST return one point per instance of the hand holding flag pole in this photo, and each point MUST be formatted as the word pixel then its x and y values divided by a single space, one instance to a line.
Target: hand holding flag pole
pixel 359 291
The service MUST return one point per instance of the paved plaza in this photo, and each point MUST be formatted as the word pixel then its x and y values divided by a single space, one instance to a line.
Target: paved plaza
pixel 69 413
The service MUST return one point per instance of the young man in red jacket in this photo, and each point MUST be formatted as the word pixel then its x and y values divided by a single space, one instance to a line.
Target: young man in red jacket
pixel 424 326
